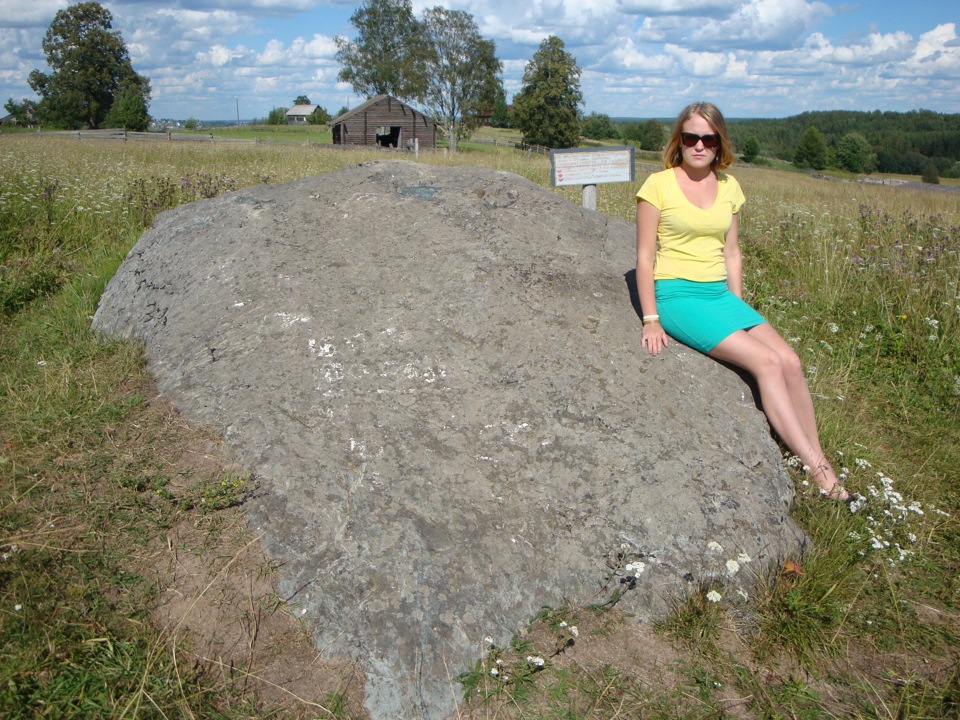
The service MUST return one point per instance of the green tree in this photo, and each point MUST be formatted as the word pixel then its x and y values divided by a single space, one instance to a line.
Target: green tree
pixel 931 174
pixel 547 108
pixel 277 116
pixel 129 110
pixel 462 70
pixel 651 135
pixel 811 151
pixel 855 154
pixel 501 116
pixel 386 57
pixel 90 67
pixel 318 116
pixel 599 126
pixel 191 124
pixel 24 112
pixel 302 100
pixel 751 149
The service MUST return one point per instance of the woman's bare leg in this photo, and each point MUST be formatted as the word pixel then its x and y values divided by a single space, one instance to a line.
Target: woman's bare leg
pixel 784 394
pixel 795 379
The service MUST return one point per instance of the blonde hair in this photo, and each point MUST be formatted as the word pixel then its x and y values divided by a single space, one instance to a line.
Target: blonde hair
pixel 672 153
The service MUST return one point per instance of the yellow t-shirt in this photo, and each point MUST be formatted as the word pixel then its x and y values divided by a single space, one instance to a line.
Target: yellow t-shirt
pixel 690 239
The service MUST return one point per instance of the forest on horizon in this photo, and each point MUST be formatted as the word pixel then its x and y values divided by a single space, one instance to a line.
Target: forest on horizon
pixel 902 142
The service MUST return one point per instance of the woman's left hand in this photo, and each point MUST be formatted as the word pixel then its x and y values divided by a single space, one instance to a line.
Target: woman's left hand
pixel 655 338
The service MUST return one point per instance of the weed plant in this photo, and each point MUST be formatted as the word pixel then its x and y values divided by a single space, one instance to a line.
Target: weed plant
pixel 862 280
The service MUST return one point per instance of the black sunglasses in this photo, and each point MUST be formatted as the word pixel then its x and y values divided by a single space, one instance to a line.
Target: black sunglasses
pixel 711 141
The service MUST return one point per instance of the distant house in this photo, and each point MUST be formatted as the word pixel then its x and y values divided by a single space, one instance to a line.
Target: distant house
pixel 384 121
pixel 298 114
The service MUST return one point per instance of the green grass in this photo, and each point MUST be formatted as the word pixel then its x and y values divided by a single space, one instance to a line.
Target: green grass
pixel 863 281
pixel 275 133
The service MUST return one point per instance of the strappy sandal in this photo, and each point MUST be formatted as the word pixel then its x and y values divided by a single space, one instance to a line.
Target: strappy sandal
pixel 836 491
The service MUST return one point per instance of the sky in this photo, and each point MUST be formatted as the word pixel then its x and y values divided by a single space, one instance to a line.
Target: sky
pixel 220 59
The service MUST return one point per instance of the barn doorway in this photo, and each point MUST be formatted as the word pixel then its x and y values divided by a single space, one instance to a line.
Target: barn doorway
pixel 389 136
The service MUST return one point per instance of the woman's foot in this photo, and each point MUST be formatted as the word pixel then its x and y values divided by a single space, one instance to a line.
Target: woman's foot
pixel 828 483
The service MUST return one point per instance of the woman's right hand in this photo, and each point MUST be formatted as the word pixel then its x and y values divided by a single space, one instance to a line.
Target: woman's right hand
pixel 655 338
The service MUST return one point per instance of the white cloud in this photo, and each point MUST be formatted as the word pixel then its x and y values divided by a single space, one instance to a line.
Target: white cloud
pixel 217 56
pixel 275 53
pixel 762 24
pixel 937 55
pixel 319 46
pixel 692 9
pixel 629 57
pixel 30 13
pixel 699 64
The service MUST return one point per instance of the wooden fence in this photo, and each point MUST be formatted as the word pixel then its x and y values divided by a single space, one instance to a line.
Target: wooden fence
pixel 124 135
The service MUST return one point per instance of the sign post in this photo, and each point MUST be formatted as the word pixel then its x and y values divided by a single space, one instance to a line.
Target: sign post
pixel 590 166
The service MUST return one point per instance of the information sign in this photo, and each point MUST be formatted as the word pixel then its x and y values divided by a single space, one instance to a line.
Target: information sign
pixel 589 166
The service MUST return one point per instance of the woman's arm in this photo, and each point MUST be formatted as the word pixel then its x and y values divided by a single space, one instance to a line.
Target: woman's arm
pixel 648 218
pixel 733 259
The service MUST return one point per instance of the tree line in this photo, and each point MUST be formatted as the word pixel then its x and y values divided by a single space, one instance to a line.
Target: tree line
pixel 919 142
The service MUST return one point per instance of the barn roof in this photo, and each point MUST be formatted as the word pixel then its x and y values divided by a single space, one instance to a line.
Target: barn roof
pixel 369 103
pixel 298 110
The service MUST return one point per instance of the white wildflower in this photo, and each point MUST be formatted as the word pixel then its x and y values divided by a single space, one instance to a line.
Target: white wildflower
pixel 733 567
pixel 489 641
pixel 574 631
pixel 635 569
pixel 856 505
pixel 832 327
pixel 534 660
pixel 861 463
pixel 494 672
pixel 714 547
pixel 743 558
pixel 714 597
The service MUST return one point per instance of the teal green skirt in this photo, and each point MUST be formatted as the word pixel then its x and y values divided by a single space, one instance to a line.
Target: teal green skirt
pixel 701 314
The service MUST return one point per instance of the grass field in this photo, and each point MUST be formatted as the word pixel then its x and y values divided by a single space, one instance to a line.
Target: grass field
pixel 106 495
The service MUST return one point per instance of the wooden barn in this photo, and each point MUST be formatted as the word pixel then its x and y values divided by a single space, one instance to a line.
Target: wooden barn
pixel 387 122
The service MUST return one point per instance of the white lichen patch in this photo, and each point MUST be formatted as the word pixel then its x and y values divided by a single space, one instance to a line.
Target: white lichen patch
pixel 322 348
pixel 289 319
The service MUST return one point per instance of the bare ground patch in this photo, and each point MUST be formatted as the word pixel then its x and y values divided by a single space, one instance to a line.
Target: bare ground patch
pixel 216 599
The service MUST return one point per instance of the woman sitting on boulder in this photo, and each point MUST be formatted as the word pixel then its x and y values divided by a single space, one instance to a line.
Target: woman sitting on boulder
pixel 689 276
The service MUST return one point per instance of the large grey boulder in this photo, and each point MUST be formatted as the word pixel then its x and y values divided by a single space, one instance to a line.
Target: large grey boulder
pixel 436 375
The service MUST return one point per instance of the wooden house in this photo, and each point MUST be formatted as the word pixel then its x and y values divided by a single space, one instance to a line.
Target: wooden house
pixel 298 114
pixel 384 121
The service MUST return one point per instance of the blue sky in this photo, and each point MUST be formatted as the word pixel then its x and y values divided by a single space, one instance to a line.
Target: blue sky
pixel 640 58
